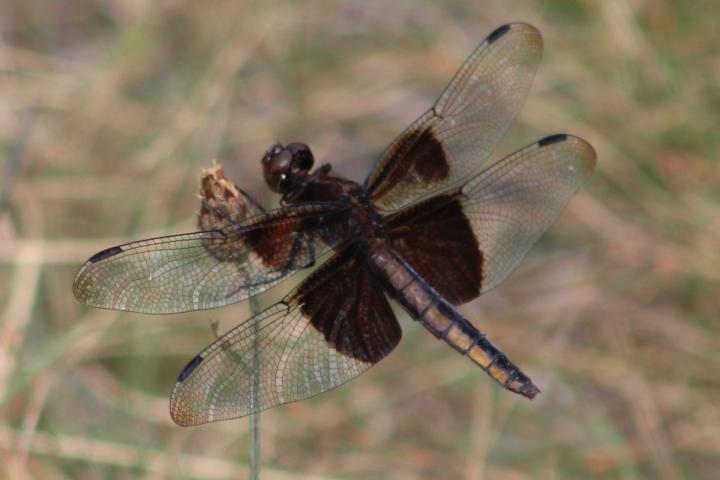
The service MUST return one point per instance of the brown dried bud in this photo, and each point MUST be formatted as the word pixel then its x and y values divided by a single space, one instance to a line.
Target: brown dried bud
pixel 222 205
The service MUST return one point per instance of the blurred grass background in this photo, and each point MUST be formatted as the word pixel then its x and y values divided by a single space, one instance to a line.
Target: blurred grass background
pixel 109 108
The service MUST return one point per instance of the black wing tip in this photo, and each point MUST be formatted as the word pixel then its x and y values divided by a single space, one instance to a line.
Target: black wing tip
pixel 498 32
pixel 550 139
pixel 103 254
pixel 503 29
pixel 189 368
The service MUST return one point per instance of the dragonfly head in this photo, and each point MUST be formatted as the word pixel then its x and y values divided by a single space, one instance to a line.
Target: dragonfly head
pixel 285 167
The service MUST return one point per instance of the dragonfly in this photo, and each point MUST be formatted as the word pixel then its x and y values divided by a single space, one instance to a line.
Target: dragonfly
pixel 430 228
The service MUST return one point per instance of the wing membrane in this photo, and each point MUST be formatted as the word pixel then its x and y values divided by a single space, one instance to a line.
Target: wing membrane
pixel 201 270
pixel 458 133
pixel 467 240
pixel 330 329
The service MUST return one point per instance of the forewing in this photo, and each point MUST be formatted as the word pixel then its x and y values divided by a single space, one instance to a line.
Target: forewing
pixel 453 138
pixel 467 240
pixel 330 329
pixel 194 271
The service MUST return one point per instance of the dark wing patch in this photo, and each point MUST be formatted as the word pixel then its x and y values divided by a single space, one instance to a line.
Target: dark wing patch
pixel 467 240
pixel 437 240
pixel 467 121
pixel 345 303
pixel 272 246
pixel 194 271
pixel 416 157
pixel 504 209
pixel 295 349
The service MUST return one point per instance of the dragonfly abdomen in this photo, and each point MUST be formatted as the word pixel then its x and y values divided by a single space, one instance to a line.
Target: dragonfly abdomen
pixel 445 322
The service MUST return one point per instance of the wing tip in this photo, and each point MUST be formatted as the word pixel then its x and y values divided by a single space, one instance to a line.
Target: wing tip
pixel 180 411
pixel 502 30
pixel 80 287
pixel 498 32
pixel 103 254
pixel 179 415
pixel 587 156
pixel 550 139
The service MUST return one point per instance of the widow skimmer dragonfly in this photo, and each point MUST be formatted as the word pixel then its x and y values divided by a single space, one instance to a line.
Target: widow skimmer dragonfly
pixel 430 228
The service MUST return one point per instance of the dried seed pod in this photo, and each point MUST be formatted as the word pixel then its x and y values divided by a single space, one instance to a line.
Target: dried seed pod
pixel 223 205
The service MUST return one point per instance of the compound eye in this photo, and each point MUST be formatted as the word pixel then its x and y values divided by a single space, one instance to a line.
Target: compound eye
pixel 302 156
pixel 276 166
pixel 272 152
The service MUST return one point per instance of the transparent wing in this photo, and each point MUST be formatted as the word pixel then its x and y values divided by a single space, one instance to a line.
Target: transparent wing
pixel 453 138
pixel 467 240
pixel 330 329
pixel 194 271
pixel 512 203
